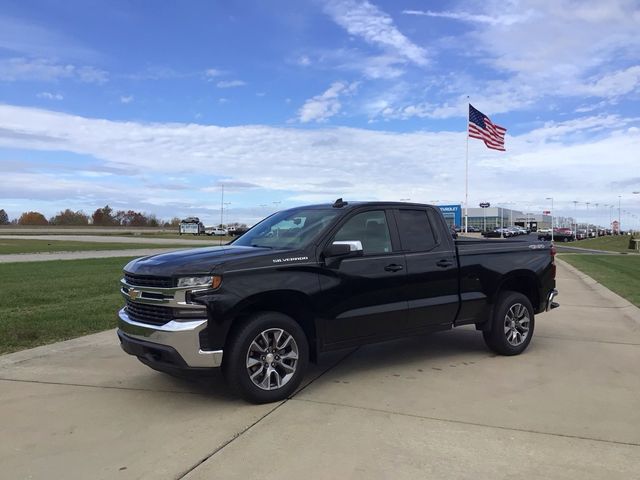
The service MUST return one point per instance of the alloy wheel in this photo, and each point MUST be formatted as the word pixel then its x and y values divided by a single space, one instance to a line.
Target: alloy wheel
pixel 516 324
pixel 272 359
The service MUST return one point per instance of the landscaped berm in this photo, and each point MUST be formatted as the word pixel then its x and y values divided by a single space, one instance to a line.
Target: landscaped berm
pixel 619 273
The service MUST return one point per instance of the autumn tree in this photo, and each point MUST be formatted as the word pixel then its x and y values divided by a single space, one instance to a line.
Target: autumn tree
pixel 103 216
pixel 32 218
pixel 69 217
pixel 131 218
pixel 4 218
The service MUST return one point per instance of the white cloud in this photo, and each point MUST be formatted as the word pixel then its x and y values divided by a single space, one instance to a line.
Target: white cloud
pixel 581 160
pixel 50 96
pixel 213 72
pixel 230 83
pixel 32 40
pixel 364 20
pixel 613 84
pixel 539 51
pixel 324 106
pixel 304 61
pixel 25 69
pixel 470 17
pixel 126 99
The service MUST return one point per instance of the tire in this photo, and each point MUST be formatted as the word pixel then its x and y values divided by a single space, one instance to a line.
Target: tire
pixel 510 334
pixel 250 353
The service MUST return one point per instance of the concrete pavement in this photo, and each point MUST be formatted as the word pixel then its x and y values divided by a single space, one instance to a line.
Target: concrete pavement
pixel 429 407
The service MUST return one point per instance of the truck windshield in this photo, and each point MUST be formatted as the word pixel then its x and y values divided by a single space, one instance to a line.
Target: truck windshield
pixel 288 229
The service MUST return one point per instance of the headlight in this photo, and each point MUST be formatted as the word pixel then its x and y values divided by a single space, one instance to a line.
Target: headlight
pixel 211 281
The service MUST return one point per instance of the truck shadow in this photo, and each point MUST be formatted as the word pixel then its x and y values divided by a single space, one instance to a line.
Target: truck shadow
pixel 435 351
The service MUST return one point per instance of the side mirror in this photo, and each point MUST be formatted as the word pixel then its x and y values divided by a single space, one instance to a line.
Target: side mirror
pixel 351 248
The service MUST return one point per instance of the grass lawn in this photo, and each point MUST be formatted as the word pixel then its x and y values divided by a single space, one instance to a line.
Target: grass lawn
pixel 613 243
pixel 8 246
pixel 620 273
pixel 44 302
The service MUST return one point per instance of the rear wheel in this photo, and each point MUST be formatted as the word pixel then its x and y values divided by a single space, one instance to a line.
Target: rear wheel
pixel 512 324
pixel 266 358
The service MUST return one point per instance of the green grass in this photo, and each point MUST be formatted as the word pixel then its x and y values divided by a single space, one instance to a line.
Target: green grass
pixel 44 302
pixel 619 273
pixel 613 243
pixel 8 246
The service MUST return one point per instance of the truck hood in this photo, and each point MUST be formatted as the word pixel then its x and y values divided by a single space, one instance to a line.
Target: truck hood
pixel 194 261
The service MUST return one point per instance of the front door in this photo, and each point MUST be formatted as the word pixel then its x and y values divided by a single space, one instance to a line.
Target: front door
pixel 364 298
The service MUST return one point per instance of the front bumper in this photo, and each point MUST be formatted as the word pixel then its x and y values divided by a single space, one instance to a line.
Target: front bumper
pixel 176 342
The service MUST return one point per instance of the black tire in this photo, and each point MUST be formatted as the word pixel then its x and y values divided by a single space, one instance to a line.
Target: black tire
pixel 236 355
pixel 501 341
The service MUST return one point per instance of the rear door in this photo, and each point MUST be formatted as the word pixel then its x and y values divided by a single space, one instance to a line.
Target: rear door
pixel 363 297
pixel 432 272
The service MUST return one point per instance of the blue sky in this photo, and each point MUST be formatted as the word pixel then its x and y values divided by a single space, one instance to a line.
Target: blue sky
pixel 154 105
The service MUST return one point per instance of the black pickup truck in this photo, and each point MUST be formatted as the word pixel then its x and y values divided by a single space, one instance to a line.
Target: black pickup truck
pixel 323 277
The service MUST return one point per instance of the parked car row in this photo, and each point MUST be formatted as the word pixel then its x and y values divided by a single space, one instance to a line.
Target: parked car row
pixel 506 232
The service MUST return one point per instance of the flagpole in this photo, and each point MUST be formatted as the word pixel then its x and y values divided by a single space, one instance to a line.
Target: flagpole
pixel 466 176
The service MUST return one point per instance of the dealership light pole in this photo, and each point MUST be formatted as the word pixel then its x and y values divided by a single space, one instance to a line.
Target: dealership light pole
pixel 575 218
pixel 588 235
pixel 221 204
pixel 619 216
pixel 551 198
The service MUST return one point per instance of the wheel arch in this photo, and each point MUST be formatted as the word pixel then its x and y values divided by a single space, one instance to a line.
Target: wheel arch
pixel 521 281
pixel 292 303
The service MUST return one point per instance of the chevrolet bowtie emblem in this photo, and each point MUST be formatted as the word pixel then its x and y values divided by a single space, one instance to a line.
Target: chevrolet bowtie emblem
pixel 133 294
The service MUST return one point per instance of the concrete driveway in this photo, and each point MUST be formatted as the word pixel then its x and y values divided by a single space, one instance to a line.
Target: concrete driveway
pixel 431 407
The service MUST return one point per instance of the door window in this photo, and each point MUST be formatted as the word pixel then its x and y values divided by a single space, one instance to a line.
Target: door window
pixel 416 234
pixel 370 228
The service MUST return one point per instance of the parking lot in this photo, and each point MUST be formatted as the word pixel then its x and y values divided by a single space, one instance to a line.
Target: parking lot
pixel 441 406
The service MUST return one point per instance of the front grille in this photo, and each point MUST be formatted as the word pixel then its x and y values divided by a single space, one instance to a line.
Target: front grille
pixel 152 314
pixel 148 280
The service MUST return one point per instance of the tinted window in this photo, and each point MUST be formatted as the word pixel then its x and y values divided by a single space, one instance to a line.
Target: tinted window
pixel 370 228
pixel 416 233
pixel 288 229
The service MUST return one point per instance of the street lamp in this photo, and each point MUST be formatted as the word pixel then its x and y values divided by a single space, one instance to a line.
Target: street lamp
pixel 619 216
pixel 588 233
pixel 551 198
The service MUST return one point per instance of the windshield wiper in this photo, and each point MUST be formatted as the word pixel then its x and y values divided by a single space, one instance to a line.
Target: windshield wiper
pixel 262 246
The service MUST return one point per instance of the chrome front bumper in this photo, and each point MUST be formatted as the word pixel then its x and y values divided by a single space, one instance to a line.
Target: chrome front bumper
pixel 181 336
pixel 550 303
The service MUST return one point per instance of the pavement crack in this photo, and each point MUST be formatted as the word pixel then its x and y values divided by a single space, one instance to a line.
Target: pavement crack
pixel 588 340
pixel 107 387
pixel 249 427
pixel 464 422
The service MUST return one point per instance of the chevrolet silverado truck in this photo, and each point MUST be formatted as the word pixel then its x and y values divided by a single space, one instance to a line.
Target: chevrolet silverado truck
pixel 317 278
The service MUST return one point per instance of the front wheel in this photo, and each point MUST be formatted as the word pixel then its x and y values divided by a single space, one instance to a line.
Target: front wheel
pixel 512 324
pixel 266 358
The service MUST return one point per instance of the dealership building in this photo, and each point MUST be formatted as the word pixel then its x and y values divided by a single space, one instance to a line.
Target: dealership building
pixel 494 217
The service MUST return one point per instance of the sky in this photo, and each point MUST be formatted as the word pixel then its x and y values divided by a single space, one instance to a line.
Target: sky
pixel 155 106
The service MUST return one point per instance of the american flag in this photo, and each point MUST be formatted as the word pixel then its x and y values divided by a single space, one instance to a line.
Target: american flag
pixel 481 127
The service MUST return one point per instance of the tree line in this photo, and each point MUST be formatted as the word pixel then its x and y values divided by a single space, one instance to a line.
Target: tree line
pixel 104 217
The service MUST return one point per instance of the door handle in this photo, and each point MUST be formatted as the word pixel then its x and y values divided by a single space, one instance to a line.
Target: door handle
pixel 394 267
pixel 444 263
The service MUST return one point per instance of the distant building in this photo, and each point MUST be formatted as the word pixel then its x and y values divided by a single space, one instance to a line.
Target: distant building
pixel 494 217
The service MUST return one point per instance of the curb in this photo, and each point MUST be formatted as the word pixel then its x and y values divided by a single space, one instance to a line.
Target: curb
pixel 627 307
pixel 15 358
